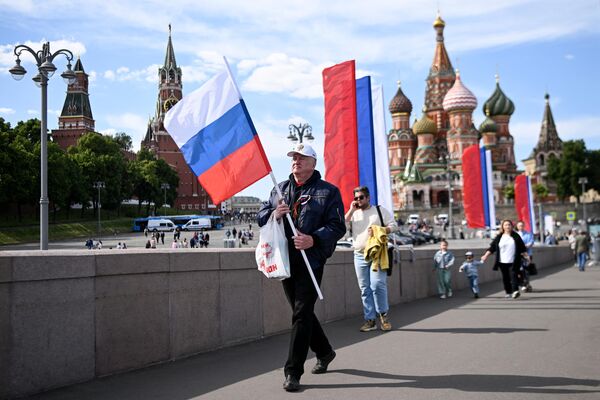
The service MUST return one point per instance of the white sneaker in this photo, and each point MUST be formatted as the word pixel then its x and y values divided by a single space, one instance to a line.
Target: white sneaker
pixel 450 293
pixel 443 296
pixel 522 289
pixel 507 296
pixel 516 294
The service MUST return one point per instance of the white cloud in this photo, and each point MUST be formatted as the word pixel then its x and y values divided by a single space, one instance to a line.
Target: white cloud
pixel 122 74
pixel 569 57
pixel 6 111
pixel 33 112
pixel 132 124
pixel 280 73
pixel 8 59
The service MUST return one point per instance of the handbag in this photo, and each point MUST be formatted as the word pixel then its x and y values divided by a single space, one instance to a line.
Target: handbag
pixel 531 269
pixel 390 249
pixel 272 256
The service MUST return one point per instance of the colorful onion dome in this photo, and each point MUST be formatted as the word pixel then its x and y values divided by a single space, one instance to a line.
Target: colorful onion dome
pixel 499 103
pixel 459 97
pixel 424 125
pixel 488 124
pixel 400 103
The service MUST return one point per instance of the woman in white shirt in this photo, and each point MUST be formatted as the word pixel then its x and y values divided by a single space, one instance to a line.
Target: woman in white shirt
pixel 509 249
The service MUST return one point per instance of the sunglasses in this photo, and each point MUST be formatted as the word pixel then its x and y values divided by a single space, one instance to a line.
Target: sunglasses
pixel 361 197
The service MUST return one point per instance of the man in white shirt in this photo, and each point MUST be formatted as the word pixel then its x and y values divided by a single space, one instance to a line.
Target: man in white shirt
pixel 372 284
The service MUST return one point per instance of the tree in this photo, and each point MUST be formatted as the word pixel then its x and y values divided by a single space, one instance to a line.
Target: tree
pixel 541 191
pixel 576 162
pixel 509 191
pixel 123 140
pixel 100 159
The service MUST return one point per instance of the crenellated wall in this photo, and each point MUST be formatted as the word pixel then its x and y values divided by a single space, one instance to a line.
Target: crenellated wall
pixel 72 316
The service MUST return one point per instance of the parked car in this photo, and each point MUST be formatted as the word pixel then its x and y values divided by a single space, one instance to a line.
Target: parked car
pixel 400 239
pixel 197 224
pixel 441 219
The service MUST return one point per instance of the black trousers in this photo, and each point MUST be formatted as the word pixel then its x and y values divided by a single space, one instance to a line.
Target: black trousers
pixel 510 277
pixel 306 329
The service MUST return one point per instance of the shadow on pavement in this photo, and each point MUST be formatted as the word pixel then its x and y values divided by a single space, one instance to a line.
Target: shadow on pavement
pixel 474 330
pixel 468 383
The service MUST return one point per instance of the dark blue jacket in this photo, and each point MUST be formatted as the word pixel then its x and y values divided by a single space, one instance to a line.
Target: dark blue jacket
pixel 320 215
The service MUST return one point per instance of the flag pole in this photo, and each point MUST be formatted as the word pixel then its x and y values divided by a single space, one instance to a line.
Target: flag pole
pixel 280 196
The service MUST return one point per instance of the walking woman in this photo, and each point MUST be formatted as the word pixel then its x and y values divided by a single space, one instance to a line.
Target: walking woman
pixel 509 249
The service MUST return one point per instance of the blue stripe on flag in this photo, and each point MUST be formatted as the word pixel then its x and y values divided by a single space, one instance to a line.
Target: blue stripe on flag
pixel 366 143
pixel 218 140
pixel 484 187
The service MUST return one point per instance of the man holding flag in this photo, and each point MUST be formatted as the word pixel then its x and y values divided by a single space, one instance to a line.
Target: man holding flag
pixel 317 211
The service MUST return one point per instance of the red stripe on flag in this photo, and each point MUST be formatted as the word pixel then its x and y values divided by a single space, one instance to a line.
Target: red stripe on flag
pixel 522 201
pixel 473 188
pixel 236 172
pixel 341 139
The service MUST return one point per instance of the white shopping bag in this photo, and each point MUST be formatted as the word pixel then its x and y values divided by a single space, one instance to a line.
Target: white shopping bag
pixel 272 255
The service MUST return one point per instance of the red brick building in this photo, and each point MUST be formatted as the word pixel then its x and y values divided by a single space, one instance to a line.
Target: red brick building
pixel 190 194
pixel 76 117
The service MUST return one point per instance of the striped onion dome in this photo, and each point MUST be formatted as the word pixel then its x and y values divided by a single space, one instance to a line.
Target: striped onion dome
pixel 499 103
pixel 459 97
pixel 488 124
pixel 400 103
pixel 424 125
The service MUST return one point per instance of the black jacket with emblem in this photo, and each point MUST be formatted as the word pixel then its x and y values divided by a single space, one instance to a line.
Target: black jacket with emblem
pixel 320 215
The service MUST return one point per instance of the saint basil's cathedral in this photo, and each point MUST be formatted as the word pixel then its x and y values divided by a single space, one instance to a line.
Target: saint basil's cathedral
pixel 421 156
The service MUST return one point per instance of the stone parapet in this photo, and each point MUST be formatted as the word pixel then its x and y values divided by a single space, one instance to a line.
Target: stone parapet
pixel 72 316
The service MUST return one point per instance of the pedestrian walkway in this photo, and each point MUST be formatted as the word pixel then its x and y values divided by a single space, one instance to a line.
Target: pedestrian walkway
pixel 544 345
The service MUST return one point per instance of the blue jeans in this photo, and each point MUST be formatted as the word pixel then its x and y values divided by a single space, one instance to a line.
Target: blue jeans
pixel 474 282
pixel 581 260
pixel 373 287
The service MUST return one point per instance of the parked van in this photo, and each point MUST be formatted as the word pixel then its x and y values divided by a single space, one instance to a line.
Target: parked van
pixel 161 225
pixel 197 224
pixel 413 219
pixel 441 219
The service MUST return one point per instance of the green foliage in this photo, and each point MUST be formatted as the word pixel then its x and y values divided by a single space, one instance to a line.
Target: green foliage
pixel 576 162
pixel 540 190
pixel 509 191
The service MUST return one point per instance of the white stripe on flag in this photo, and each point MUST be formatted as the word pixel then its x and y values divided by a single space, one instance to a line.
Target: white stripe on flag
pixel 193 112
pixel 382 165
pixel 490 184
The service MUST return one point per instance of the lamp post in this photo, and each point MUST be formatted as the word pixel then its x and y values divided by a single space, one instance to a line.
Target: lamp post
pixel 43 59
pixel 99 185
pixel 298 132
pixel 582 181
pixel 165 187
pixel 445 159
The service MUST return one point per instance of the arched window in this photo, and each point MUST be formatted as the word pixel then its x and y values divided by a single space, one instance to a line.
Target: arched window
pixel 541 160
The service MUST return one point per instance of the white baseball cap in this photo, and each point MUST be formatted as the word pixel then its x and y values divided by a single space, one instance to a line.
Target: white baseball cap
pixel 303 149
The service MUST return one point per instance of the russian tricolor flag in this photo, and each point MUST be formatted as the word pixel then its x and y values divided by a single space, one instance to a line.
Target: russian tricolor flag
pixel 217 138
pixel 356 150
pixel 524 202
pixel 478 189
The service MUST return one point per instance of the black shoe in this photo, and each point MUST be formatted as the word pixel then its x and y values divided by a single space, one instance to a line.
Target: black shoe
pixel 291 384
pixel 476 295
pixel 322 363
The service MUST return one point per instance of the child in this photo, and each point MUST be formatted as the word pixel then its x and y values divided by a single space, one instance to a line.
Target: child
pixel 471 267
pixel 442 261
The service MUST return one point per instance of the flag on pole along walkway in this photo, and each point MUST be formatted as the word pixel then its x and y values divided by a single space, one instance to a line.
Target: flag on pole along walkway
pixel 217 138
pixel 473 188
pixel 382 164
pixel 478 188
pixel 341 148
pixel 524 203
pixel 366 143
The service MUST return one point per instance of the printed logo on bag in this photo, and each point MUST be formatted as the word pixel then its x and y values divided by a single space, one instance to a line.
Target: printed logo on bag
pixel 266 257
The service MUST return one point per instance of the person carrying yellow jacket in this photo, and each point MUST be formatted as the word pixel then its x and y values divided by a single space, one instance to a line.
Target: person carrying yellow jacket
pixel 370 225
pixel 376 249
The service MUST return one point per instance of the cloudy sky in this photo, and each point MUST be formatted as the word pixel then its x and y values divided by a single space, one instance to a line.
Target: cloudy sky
pixel 278 50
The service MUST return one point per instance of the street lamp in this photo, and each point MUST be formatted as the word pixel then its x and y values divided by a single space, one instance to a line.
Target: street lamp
pixel 43 59
pixel 99 185
pixel 582 181
pixel 164 187
pixel 445 159
pixel 297 132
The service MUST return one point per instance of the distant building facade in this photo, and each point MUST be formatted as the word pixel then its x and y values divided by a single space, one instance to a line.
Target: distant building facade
pixel 190 194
